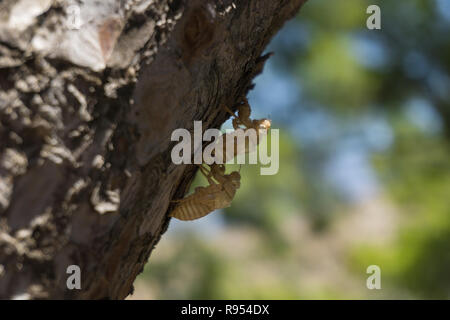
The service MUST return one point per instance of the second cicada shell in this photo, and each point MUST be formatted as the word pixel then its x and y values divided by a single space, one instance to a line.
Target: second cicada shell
pixel 204 200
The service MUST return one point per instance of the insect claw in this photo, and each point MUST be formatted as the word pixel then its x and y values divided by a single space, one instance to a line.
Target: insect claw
pixel 229 111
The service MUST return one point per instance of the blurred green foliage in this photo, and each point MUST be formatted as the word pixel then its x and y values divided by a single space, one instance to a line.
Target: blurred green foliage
pixel 416 172
pixel 337 91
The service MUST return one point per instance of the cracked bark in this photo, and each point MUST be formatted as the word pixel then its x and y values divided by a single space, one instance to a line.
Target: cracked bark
pixel 87 108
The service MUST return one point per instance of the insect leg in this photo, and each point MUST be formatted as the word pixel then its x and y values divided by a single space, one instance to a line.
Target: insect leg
pixel 207 174
pixel 229 111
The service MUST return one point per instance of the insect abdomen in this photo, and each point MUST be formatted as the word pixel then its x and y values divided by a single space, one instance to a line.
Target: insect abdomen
pixel 190 210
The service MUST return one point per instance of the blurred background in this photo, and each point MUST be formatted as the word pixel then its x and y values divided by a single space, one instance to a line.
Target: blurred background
pixel 364 178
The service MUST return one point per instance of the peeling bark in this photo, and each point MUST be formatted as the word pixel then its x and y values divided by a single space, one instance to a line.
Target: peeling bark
pixel 87 108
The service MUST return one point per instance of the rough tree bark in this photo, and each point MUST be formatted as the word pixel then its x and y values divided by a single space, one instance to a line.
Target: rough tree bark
pixel 90 92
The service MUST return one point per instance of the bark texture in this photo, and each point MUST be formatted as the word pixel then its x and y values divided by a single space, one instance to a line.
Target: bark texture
pixel 90 92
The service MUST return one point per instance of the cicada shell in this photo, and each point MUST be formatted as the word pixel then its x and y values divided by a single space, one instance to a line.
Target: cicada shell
pixel 205 200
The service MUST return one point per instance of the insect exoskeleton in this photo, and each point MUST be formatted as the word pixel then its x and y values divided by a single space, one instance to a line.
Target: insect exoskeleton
pixel 217 195
pixel 222 187
pixel 242 120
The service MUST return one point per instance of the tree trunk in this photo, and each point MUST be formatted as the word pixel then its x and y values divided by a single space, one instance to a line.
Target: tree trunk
pixel 90 92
